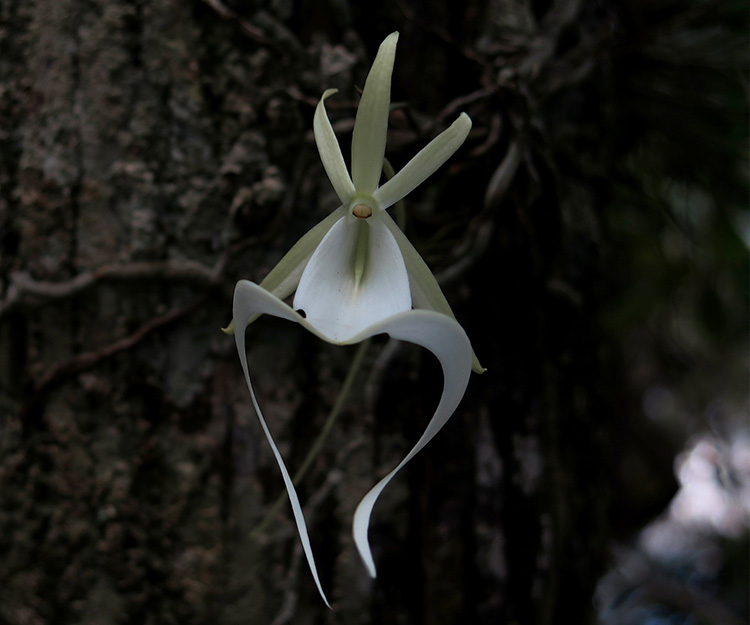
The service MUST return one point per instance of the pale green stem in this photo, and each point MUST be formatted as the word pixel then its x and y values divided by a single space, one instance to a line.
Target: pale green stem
pixel 318 444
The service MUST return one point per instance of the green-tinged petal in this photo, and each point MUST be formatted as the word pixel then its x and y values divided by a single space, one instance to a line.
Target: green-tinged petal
pixel 424 164
pixel 243 310
pixel 425 290
pixel 355 278
pixel 442 335
pixel 283 279
pixel 445 338
pixel 371 124
pixel 330 152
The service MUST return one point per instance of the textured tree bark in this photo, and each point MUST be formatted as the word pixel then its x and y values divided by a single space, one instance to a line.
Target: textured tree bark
pixel 151 154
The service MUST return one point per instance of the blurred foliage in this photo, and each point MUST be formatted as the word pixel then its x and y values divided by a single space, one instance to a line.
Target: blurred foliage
pixel 679 297
pixel 679 291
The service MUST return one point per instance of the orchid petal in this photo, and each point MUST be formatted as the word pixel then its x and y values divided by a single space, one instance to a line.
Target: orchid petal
pixel 355 278
pixel 425 290
pixel 330 152
pixel 445 338
pixel 442 335
pixel 243 310
pixel 425 163
pixel 283 279
pixel 371 123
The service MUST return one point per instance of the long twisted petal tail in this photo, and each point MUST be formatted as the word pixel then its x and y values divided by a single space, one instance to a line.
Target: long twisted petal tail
pixel 371 123
pixel 330 152
pixel 445 338
pixel 424 164
pixel 425 290
pixel 438 333
pixel 243 308
pixel 355 278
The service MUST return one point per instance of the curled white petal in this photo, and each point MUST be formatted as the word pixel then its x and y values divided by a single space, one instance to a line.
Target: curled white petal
pixel 244 308
pixel 424 164
pixel 283 279
pixel 434 331
pixel 330 152
pixel 445 338
pixel 371 123
pixel 355 278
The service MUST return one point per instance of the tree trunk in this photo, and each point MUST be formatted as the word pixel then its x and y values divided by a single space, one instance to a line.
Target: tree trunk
pixel 152 154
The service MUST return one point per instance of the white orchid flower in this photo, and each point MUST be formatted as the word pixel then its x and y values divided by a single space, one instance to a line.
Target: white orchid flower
pixel 356 275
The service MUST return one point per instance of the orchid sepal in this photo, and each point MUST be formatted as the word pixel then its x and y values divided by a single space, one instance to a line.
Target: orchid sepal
pixel 330 151
pixel 371 122
pixel 425 290
pixel 425 163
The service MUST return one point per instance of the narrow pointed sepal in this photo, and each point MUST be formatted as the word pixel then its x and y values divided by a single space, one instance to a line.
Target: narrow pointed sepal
pixel 371 123
pixel 330 151
pixel 425 290
pixel 425 163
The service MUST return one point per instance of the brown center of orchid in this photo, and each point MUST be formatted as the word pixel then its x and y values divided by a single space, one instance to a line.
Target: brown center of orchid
pixel 362 211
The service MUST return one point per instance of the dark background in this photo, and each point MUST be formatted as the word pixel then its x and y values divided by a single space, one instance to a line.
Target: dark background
pixel 591 236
